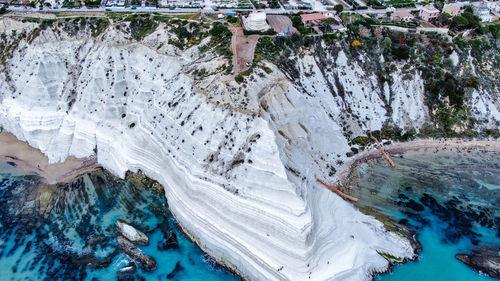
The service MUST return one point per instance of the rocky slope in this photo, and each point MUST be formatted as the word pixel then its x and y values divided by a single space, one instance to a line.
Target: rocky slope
pixel 239 162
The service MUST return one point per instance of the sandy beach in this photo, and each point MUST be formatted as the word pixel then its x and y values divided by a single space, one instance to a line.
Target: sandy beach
pixel 416 146
pixel 32 160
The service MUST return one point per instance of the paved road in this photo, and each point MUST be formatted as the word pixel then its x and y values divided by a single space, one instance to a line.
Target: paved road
pixel 182 10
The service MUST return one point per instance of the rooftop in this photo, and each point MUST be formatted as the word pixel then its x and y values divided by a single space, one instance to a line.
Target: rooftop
pixel 313 16
pixel 429 9
pixel 401 14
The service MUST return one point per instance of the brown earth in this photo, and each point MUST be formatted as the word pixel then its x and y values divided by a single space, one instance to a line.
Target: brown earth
pixel 281 23
pixel 243 48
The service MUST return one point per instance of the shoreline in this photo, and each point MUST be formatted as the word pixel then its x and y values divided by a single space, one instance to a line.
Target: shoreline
pixel 26 158
pixel 32 160
pixel 397 149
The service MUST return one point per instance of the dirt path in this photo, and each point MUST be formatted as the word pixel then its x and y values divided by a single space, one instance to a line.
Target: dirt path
pixel 243 48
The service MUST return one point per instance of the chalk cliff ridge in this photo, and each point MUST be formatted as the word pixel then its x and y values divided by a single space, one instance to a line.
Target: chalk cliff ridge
pixel 238 161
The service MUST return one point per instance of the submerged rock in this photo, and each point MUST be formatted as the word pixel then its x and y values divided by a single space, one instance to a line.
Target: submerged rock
pixel 131 233
pixel 148 263
pixel 170 242
pixel 178 267
pixel 483 260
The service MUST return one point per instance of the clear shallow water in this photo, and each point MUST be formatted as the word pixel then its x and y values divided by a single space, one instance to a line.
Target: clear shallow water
pixel 67 232
pixel 451 200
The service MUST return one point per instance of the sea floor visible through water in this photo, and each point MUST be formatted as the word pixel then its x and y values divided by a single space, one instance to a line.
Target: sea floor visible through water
pixel 450 199
pixel 66 231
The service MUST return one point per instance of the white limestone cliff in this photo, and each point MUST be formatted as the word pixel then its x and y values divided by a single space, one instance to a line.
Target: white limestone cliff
pixel 240 179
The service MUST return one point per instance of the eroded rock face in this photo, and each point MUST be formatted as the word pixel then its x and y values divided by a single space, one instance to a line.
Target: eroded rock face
pixel 148 263
pixel 131 233
pixel 486 261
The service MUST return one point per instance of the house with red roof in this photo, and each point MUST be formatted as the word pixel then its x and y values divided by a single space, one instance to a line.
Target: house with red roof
pixel 314 18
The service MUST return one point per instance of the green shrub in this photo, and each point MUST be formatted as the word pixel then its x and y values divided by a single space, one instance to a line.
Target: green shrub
pixel 218 29
pixel 232 19
pixel 471 82
pixel 140 27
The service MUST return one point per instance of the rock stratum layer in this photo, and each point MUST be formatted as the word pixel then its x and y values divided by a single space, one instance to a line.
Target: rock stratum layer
pixel 238 162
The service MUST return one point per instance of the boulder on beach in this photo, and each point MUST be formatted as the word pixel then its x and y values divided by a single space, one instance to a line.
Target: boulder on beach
pixel 130 249
pixel 131 233
pixel 486 261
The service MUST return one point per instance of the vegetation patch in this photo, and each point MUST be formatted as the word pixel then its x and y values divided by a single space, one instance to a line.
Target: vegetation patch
pixel 391 258
pixel 141 26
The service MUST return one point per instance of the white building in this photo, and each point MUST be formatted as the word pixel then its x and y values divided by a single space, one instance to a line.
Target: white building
pixel 484 14
pixel 256 21
pixel 493 6
pixel 428 12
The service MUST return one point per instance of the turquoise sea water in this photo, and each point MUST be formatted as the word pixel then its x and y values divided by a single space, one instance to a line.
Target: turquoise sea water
pixel 450 199
pixel 67 232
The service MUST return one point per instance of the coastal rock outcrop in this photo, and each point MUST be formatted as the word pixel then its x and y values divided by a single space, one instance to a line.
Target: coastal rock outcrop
pixel 485 261
pixel 147 263
pixel 131 233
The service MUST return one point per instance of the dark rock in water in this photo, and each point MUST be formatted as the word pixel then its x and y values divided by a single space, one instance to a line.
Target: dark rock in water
pixel 417 218
pixel 402 196
pixel 403 222
pixel 483 260
pixel 409 203
pixel 414 206
pixel 127 270
pixel 131 278
pixel 131 233
pixel 436 208
pixel 170 242
pixel 178 267
pixel 148 263
pixel 92 262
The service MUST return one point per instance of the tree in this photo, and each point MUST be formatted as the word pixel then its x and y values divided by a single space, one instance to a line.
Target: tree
pixel 218 29
pixel 473 19
pixel 232 19
pixel 339 8
pixel 401 53
pixel 444 18
pixel 356 44
pixel 296 21
pixel 459 22
pixel 331 21
pixel 387 43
